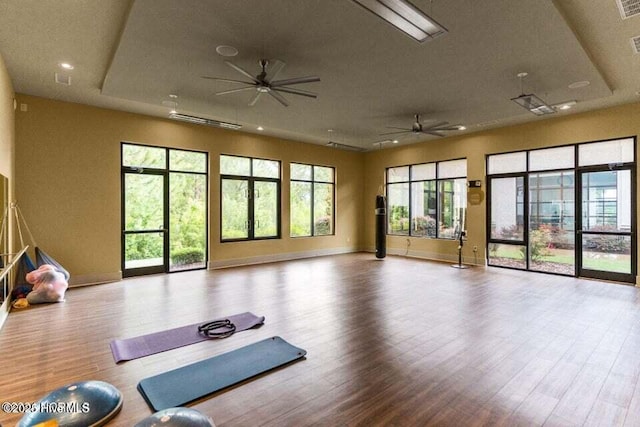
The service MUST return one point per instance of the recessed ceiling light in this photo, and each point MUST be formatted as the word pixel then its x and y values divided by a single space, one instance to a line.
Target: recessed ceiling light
pixel 260 128
pixel 173 112
pixel 66 66
pixel 226 50
pixel 395 141
pixel 171 95
pixel 578 85
pixel 461 127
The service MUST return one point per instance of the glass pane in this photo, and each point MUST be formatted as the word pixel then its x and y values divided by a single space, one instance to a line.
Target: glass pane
pixel 187 221
pixel 300 211
pixel 234 165
pixel 423 208
pixel 552 222
pixel 398 174
pixel 453 207
pixel 299 171
pixel 143 202
pixel 323 174
pixel 266 168
pixel 452 169
pixel 398 208
pixel 143 250
pixel 187 161
pixel 607 152
pixel 507 163
pixel 503 255
pixel 507 208
pixel 265 209
pixel 141 156
pixel 423 172
pixel 322 209
pixel 552 158
pixel 235 209
pixel 606 201
pixel 606 253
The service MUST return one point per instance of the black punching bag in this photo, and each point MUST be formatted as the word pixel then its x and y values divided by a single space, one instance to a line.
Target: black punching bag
pixel 381 223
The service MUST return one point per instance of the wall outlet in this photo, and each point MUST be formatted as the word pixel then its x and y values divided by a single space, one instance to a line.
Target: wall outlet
pixel 475 248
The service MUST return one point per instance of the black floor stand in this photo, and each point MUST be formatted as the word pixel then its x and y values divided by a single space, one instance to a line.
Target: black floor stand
pixel 460 244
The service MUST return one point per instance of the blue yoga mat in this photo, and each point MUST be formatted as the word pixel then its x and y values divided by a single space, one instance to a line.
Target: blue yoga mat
pixel 191 382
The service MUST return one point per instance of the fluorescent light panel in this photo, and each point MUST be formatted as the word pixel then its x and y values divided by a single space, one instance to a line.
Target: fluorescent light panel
pixel 534 104
pixel 203 121
pixel 406 17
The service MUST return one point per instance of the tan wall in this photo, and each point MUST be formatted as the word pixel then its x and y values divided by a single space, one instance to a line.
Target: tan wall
pixel 591 126
pixel 68 179
pixel 7 144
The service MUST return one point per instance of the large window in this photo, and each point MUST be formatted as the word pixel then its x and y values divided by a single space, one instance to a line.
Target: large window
pixel 565 210
pixel 428 199
pixel 250 198
pixel 312 200
pixel 164 209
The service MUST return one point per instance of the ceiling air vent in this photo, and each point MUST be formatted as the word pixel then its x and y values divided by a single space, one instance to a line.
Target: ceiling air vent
pixel 203 121
pixel 63 79
pixel 635 43
pixel 629 8
pixel 344 146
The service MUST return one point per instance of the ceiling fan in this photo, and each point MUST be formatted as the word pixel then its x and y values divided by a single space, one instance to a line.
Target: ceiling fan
pixel 263 83
pixel 436 129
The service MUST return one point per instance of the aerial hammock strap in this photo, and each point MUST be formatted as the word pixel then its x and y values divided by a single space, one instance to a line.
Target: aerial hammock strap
pixel 4 219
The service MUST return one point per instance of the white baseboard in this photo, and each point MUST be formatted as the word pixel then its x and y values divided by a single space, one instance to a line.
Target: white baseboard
pixel 263 259
pixel 94 279
pixel 433 256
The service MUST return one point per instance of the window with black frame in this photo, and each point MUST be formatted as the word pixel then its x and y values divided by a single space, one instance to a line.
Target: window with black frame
pixel 249 198
pixel 427 199
pixel 312 194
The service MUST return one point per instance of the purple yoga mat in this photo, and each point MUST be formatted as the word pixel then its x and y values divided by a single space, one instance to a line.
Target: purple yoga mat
pixel 146 345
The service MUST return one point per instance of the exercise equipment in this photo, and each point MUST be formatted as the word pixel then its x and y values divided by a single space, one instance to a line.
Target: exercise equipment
pixel 188 383
pixel 460 246
pixel 177 417
pixel 21 286
pixel 381 225
pixel 146 345
pixel 79 404
pixel 217 329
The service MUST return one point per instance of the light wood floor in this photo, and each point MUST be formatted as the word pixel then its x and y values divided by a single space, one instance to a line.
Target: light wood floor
pixel 394 342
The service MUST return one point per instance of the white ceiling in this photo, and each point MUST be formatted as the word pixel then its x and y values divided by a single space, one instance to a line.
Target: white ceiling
pixel 130 55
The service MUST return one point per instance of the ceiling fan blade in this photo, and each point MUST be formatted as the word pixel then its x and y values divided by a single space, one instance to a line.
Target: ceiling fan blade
pixel 405 129
pixel 295 91
pixel 255 98
pixel 235 90
pixel 450 127
pixel 226 80
pixel 435 125
pixel 396 133
pixel 434 132
pixel 295 81
pixel 241 71
pixel 279 97
pixel 274 70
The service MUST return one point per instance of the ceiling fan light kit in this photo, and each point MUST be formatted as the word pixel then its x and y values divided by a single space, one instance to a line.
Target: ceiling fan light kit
pixel 406 17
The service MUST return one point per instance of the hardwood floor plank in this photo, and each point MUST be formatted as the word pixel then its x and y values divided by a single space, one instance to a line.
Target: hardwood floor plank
pixel 398 342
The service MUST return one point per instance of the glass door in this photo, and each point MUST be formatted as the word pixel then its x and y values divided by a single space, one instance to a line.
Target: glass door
pixel 507 227
pixel 606 224
pixel 145 223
